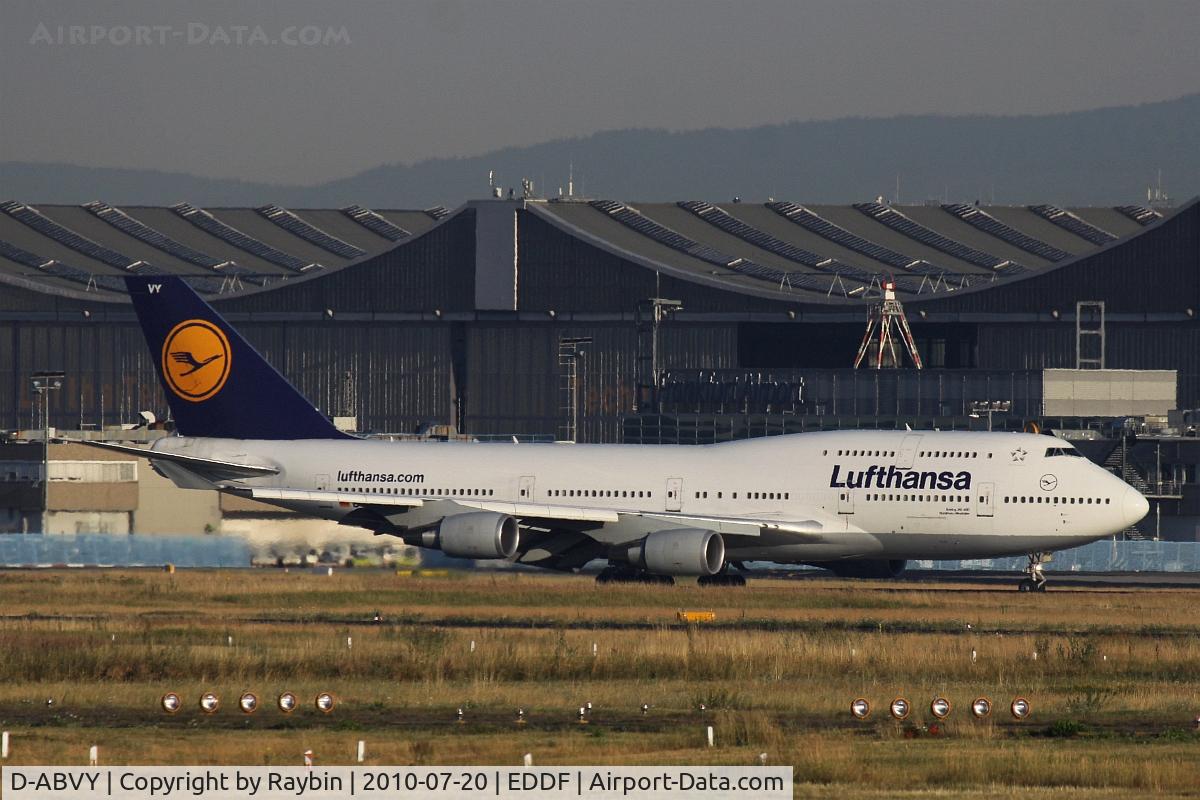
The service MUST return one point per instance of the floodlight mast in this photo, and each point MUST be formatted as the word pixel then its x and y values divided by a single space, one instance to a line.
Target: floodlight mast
pixel 43 382
pixel 885 316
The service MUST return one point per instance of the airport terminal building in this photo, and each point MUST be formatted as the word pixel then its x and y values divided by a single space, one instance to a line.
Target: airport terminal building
pixel 601 320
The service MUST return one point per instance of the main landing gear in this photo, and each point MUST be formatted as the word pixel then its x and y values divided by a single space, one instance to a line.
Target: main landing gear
pixel 727 576
pixel 624 573
pixel 722 579
pixel 1036 582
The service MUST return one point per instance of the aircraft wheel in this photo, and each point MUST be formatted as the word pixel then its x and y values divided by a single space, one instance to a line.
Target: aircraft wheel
pixel 722 579
pixel 1026 585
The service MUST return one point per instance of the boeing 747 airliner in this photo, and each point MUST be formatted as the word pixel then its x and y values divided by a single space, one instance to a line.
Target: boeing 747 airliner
pixel 860 503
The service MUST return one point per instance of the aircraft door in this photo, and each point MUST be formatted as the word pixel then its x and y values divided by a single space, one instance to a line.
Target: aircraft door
pixel 674 494
pixel 984 502
pixel 845 501
pixel 908 451
pixel 525 489
pixel 321 482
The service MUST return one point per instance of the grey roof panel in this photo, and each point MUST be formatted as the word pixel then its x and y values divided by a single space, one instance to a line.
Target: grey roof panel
pixel 860 224
pixel 1109 219
pixel 690 225
pixel 769 222
pixel 1027 222
pixel 86 224
pixel 248 221
pixel 298 226
pixel 623 238
pixel 179 229
pixel 26 238
pixel 415 222
pixel 940 221
pixel 985 221
pixel 338 224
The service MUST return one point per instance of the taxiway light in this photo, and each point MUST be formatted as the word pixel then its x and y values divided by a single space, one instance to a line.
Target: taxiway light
pixel 900 708
pixel 287 702
pixel 248 702
pixel 325 702
pixel 1020 708
pixel 209 703
pixel 940 707
pixel 171 703
pixel 860 708
pixel 981 707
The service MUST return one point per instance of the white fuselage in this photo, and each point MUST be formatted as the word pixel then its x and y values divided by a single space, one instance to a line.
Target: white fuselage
pixel 873 494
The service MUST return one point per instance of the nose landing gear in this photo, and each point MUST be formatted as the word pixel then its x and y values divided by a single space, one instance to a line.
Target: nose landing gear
pixel 1036 582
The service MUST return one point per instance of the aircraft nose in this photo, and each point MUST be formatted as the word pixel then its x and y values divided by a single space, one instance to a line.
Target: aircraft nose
pixel 1133 507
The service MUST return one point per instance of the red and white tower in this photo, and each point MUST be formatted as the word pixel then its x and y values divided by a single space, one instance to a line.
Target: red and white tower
pixel 885 324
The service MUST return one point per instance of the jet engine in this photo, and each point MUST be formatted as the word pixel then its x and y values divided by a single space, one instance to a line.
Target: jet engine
pixel 686 551
pixel 866 569
pixel 479 534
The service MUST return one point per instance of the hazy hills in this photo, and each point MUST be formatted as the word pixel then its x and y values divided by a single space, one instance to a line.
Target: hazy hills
pixel 1105 156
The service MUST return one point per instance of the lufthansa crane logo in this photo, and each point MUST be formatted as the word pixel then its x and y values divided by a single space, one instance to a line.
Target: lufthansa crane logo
pixel 195 360
pixel 1048 483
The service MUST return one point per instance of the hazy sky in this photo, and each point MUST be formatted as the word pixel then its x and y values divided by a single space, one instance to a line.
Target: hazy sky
pixel 320 90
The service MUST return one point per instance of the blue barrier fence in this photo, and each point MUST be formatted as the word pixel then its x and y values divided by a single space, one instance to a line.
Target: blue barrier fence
pixel 21 550
pixel 35 549
pixel 1105 556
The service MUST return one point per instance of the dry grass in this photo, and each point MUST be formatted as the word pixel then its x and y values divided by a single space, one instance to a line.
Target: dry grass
pixel 777 673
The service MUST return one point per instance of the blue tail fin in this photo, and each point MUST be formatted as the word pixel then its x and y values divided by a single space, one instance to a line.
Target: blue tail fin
pixel 215 382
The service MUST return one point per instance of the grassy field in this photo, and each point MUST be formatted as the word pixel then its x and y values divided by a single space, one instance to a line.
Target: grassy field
pixel 1113 676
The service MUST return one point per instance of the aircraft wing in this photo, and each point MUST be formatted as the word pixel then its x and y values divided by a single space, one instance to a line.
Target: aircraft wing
pixel 550 515
pixel 341 498
pixel 212 468
pixel 738 526
pixel 566 537
pixel 521 511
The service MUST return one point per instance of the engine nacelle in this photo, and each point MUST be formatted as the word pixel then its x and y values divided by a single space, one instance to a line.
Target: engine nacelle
pixel 479 534
pixel 686 551
pixel 871 568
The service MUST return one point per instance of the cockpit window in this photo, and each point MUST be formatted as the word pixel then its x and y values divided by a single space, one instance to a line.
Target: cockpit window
pixel 1063 451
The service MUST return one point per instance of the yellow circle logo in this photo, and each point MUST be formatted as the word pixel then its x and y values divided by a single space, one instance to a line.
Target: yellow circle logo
pixel 195 360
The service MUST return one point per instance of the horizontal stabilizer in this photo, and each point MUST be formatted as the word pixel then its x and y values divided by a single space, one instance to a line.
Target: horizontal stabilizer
pixel 207 467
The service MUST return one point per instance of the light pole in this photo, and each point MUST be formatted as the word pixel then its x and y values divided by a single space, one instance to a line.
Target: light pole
pixel 989 407
pixel 43 383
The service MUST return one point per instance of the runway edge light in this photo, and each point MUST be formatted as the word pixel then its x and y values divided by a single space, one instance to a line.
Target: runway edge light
pixel 981 707
pixel 248 702
pixel 171 703
pixel 209 702
pixel 860 708
pixel 1020 708
pixel 287 702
